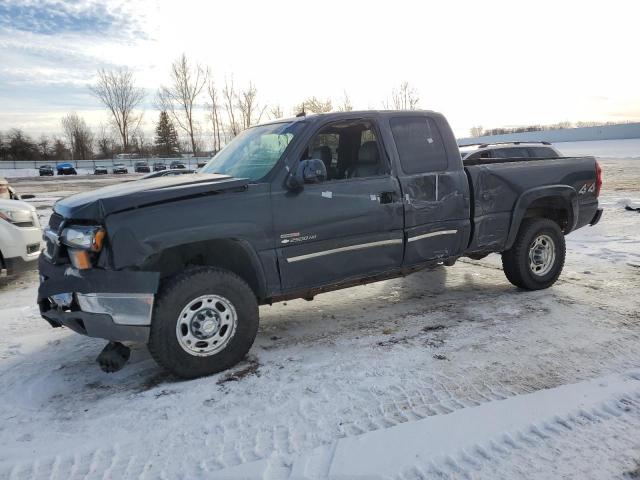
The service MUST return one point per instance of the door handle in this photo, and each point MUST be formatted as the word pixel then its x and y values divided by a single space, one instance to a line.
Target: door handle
pixel 386 197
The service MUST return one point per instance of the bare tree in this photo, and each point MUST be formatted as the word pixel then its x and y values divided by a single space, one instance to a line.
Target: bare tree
pixel 314 105
pixel 405 97
pixel 117 92
pixel 215 114
pixel 477 131
pixel 78 136
pixel 275 112
pixel 248 107
pixel 105 142
pixel 44 147
pixel 345 106
pixel 180 98
pixel 229 98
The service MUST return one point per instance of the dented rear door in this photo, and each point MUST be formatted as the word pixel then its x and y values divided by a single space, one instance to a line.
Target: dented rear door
pixel 434 187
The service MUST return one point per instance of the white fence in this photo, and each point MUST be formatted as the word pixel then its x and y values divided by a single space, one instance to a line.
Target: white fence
pixel 191 162
pixel 602 132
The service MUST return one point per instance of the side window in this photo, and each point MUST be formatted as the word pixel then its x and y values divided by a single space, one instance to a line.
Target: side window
pixel 542 152
pixel 512 152
pixel 325 147
pixel 419 144
pixel 348 150
pixel 478 155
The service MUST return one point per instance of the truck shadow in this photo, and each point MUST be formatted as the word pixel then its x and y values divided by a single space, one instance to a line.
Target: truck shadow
pixel 18 280
pixel 423 290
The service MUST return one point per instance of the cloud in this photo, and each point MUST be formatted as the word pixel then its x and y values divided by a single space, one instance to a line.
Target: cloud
pixel 51 51
pixel 55 18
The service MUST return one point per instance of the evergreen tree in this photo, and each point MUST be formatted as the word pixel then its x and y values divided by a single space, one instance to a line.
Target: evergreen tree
pixel 166 136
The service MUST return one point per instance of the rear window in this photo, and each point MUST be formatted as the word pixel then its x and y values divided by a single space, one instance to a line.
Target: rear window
pixel 542 152
pixel 419 144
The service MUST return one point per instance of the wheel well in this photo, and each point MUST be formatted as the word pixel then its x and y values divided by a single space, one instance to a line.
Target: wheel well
pixel 230 255
pixel 553 208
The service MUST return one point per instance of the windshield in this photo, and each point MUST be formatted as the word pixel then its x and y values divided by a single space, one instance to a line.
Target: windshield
pixel 254 152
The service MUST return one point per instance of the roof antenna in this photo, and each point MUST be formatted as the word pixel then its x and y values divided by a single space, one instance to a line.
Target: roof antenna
pixel 302 113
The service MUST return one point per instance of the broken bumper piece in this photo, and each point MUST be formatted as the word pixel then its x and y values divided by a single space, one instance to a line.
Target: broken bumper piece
pixel 93 303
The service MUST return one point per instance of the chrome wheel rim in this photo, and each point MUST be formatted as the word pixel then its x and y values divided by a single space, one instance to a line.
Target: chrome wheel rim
pixel 205 325
pixel 542 255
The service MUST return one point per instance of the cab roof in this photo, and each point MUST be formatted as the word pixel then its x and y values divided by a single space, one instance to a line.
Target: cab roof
pixel 314 117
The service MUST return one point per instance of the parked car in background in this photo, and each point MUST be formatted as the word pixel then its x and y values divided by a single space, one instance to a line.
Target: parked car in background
pixel 45 171
pixel 20 237
pixel 168 173
pixel 66 169
pixel 500 150
pixel 141 167
pixel 120 168
pixel 159 166
pixel 100 170
pixel 177 164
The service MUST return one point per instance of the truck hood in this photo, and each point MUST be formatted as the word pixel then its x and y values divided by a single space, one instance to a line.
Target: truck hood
pixel 97 204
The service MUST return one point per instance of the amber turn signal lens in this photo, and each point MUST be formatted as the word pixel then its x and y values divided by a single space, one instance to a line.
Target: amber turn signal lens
pixel 98 239
pixel 80 259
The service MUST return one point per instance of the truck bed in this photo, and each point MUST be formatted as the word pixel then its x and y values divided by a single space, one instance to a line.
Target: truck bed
pixel 498 186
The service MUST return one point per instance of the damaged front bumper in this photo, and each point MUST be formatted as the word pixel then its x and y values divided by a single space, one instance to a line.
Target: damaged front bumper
pixel 114 305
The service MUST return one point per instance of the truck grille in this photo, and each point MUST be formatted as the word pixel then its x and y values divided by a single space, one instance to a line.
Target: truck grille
pixel 55 221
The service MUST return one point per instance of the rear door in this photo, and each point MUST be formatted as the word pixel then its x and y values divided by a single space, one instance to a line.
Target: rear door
pixel 434 187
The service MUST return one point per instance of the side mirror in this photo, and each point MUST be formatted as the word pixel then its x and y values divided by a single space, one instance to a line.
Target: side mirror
pixel 308 171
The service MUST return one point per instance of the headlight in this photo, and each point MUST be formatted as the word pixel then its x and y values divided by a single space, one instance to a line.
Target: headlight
pixel 18 216
pixel 83 237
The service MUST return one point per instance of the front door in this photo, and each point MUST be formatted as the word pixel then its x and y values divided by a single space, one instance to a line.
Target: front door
pixel 347 226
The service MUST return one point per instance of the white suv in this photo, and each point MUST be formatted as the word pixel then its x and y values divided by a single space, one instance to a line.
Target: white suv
pixel 20 237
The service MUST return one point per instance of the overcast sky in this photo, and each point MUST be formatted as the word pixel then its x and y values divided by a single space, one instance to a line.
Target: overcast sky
pixel 486 63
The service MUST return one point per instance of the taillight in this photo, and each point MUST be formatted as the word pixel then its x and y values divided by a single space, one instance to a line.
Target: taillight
pixel 598 178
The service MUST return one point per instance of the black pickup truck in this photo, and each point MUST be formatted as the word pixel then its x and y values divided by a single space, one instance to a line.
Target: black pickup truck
pixel 291 209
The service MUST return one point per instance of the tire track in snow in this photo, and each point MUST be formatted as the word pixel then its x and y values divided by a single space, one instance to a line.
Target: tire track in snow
pixel 236 446
pixel 601 443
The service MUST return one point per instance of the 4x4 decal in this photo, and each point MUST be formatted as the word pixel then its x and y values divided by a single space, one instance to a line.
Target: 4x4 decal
pixel 587 187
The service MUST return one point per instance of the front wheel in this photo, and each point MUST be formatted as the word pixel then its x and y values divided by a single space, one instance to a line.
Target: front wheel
pixel 204 321
pixel 537 256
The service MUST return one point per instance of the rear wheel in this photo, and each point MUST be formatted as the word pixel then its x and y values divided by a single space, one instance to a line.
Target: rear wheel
pixel 536 258
pixel 204 321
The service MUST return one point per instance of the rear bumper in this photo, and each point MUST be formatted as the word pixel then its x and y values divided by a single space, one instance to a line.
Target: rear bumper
pixel 596 217
pixel 115 305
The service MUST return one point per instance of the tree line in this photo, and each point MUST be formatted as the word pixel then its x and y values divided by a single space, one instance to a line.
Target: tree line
pixel 479 131
pixel 191 91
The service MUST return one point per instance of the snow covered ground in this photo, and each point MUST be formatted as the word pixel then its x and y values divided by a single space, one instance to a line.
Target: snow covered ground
pixel 450 373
